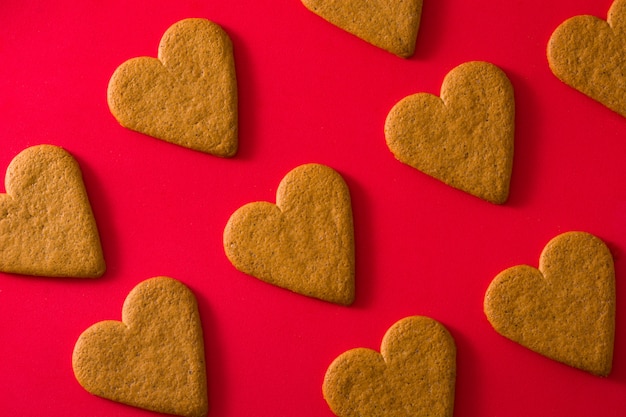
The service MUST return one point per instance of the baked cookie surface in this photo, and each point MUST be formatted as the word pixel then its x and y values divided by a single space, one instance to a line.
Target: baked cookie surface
pixel 565 309
pixel 465 137
pixel 587 53
pixel 153 358
pixel 188 96
pixel 413 375
pixel 304 242
pixel 390 25
pixel 47 227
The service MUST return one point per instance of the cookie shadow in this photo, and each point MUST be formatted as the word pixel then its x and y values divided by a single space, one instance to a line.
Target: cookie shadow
pixel 364 248
pixel 528 119
pixel 246 81
pixel 428 41
pixel 618 372
pixel 468 369
pixel 217 380
pixel 101 206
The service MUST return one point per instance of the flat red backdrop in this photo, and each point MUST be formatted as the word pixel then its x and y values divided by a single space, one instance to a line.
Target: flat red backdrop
pixel 308 92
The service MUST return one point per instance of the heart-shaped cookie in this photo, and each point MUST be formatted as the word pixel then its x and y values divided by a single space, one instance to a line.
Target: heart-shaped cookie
pixel 305 242
pixel 188 96
pixel 587 53
pixel 391 26
pixel 47 227
pixel 565 310
pixel 464 138
pixel 414 374
pixel 154 357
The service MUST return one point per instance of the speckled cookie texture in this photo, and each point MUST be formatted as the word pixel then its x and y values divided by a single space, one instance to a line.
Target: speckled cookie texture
pixel 413 375
pixel 188 96
pixel 304 242
pixel 589 54
pixel 153 358
pixel 463 138
pixel 47 227
pixel 564 310
pixel 390 25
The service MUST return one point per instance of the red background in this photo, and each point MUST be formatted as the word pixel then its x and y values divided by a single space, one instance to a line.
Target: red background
pixel 308 92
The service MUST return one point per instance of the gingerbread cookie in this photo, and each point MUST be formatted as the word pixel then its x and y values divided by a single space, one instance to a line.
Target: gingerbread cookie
pixel 413 375
pixel 463 138
pixel 154 357
pixel 188 96
pixel 392 26
pixel 305 242
pixel 588 54
pixel 564 310
pixel 47 227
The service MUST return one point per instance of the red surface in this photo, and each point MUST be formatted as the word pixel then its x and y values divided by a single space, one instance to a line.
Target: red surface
pixel 309 92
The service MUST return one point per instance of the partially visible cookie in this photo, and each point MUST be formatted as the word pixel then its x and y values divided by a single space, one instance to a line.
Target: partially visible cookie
pixel 389 25
pixel 188 96
pixel 47 227
pixel 463 138
pixel 413 375
pixel 305 242
pixel 154 357
pixel 589 54
pixel 564 310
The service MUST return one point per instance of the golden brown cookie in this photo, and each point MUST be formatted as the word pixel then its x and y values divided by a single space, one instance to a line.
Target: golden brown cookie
pixel 47 227
pixel 589 54
pixel 463 138
pixel 564 310
pixel 414 374
pixel 188 96
pixel 154 357
pixel 305 242
pixel 392 26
